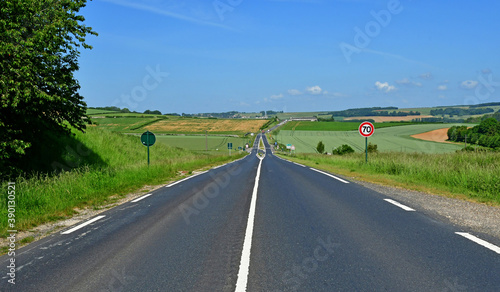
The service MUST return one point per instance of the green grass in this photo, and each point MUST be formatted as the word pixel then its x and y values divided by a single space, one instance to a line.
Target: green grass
pixel 198 143
pixel 474 176
pixel 333 126
pixel 108 165
pixel 387 139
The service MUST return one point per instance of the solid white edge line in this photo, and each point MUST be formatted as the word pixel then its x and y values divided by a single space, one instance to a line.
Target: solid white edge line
pixel 83 224
pixel 337 178
pixel 480 241
pixel 406 208
pixel 242 279
pixel 299 164
pixel 185 179
pixel 143 197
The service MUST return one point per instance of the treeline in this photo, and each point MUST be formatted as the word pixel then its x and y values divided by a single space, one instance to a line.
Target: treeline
pixel 374 111
pixel 486 134
pixel 126 110
pixel 456 111
pixel 226 115
pixel 270 113
pixel 496 116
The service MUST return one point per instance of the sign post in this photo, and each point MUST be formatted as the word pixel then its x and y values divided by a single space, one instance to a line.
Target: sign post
pixel 229 146
pixel 366 129
pixel 148 139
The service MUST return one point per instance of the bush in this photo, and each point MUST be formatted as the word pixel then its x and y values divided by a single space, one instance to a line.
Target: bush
pixel 372 148
pixel 341 150
pixel 321 147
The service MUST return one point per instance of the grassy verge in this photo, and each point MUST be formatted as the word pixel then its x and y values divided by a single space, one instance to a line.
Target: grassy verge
pixel 106 166
pixel 470 176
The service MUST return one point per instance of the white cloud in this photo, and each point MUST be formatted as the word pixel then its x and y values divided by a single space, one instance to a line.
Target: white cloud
pixel 408 82
pixel 294 92
pixel 385 87
pixel 469 84
pixel 277 96
pixel 426 76
pixel 314 89
pixel 404 81
pixel 442 87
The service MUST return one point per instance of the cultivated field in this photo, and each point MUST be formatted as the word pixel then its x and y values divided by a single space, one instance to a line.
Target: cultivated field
pixel 397 139
pixel 332 126
pixel 213 126
pixel 379 119
pixel 439 135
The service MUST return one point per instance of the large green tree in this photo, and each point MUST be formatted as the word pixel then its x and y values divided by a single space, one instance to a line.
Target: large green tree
pixel 39 50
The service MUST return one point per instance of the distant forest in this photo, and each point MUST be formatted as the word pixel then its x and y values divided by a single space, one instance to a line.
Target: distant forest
pixel 374 111
pixel 456 111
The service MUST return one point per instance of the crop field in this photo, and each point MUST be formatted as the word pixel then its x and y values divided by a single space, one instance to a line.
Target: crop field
pixel 134 123
pixel 198 143
pixel 212 126
pixel 332 126
pixel 122 124
pixel 396 139
pixel 381 119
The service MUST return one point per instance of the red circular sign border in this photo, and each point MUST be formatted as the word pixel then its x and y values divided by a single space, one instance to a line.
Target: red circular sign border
pixel 361 132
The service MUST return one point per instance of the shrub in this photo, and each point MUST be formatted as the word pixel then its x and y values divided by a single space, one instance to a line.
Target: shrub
pixel 321 147
pixel 372 148
pixel 344 149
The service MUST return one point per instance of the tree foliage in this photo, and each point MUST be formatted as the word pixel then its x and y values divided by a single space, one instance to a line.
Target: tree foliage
pixel 343 149
pixel 320 147
pixel 39 42
pixel 486 134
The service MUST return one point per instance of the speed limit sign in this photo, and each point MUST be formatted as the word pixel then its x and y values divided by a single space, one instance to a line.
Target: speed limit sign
pixel 366 129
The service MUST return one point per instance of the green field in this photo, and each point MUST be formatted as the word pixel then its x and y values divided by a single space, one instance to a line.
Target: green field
pixel 387 139
pixel 333 126
pixel 198 143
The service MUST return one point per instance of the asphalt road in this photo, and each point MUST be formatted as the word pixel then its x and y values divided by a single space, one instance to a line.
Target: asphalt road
pixel 258 224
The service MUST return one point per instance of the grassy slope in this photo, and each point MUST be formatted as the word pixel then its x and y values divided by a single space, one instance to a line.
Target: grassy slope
pixel 333 126
pixel 472 176
pixel 107 164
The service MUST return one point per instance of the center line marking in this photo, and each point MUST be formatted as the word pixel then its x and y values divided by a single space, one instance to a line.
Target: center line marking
pixel 83 224
pixel 406 208
pixel 480 241
pixel 241 284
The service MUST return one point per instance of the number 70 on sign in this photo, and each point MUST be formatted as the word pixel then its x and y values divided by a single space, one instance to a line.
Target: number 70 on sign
pixel 366 129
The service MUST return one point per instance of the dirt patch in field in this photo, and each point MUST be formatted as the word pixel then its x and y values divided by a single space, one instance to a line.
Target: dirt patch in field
pixel 200 126
pixel 439 135
pixel 378 119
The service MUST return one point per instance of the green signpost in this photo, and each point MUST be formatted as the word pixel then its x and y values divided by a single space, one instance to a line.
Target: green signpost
pixel 366 129
pixel 148 139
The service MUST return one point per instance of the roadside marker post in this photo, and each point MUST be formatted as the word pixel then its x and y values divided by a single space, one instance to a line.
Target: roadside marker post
pixel 366 129
pixel 229 146
pixel 148 139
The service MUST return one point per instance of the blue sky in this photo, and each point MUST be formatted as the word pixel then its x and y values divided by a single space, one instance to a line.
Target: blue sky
pixel 292 55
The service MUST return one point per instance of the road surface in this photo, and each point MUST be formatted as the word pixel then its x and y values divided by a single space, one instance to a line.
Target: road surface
pixel 259 224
